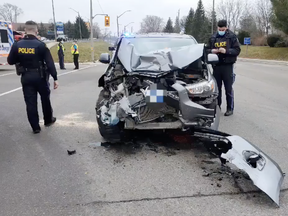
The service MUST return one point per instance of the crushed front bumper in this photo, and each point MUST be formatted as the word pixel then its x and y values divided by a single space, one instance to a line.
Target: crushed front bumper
pixel 262 170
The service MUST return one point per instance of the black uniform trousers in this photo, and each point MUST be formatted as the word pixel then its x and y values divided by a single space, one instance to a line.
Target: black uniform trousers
pixel 224 74
pixel 61 61
pixel 76 60
pixel 32 84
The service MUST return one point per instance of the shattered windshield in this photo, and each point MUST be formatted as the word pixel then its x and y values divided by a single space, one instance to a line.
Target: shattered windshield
pixel 150 45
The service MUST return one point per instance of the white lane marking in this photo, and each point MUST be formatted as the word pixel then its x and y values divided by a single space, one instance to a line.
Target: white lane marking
pixel 7 74
pixel 68 72
pixel 73 71
pixel 11 91
pixel 2 75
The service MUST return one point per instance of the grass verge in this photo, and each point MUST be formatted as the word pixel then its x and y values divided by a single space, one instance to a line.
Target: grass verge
pixel 84 51
pixel 264 52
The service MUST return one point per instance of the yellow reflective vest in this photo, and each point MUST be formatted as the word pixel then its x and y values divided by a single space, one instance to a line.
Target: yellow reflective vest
pixel 63 47
pixel 73 49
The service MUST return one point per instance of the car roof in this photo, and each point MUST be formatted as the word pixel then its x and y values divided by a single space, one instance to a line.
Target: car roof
pixel 159 35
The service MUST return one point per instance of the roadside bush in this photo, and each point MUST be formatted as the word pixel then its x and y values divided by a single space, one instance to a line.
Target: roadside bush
pixel 241 35
pixel 281 43
pixel 273 39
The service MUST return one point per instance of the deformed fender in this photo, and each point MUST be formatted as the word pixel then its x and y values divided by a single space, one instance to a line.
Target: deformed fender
pixel 262 170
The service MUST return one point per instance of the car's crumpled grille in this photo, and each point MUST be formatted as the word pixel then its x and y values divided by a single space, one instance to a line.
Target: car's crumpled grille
pixel 147 113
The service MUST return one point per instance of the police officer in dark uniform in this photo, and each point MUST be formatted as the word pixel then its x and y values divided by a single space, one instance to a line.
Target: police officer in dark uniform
pixel 61 50
pixel 33 59
pixel 225 44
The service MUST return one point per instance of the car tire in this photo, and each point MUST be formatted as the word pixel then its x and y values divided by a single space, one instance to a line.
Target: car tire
pixel 111 133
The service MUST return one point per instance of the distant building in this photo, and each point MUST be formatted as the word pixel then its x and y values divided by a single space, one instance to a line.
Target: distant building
pixel 20 26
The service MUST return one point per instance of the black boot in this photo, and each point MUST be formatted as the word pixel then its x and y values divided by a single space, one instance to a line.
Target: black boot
pixel 48 124
pixel 36 131
pixel 229 112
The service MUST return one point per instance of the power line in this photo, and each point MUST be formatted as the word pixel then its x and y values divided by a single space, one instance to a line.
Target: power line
pixel 100 6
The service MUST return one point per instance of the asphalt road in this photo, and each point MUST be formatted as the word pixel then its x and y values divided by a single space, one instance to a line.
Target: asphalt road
pixel 38 177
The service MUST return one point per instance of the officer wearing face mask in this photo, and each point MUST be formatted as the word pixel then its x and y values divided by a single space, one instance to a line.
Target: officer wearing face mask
pixel 225 44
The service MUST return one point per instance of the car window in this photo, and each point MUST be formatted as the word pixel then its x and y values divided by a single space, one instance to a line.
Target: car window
pixel 147 45
pixel 4 36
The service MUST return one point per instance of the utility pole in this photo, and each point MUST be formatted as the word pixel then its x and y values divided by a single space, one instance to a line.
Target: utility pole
pixel 118 21
pixel 79 22
pixel 91 31
pixel 55 32
pixel 117 26
pixel 213 16
pixel 126 26
pixel 80 31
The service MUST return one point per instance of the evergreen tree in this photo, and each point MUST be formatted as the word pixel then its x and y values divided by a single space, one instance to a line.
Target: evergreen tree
pixel 189 22
pixel 200 24
pixel 169 26
pixel 69 30
pixel 84 29
pixel 177 27
pixel 42 30
pixel 280 9
pixel 51 27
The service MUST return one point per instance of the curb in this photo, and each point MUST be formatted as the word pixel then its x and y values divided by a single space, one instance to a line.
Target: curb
pixel 83 63
pixel 263 61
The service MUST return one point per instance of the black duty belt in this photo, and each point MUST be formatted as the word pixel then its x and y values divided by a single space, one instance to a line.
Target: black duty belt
pixel 32 69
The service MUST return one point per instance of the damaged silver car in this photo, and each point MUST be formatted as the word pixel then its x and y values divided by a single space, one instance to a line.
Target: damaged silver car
pixel 165 82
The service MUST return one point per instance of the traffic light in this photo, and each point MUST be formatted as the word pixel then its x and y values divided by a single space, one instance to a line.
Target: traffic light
pixel 107 21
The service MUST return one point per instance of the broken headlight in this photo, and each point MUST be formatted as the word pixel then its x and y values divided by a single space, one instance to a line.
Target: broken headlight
pixel 201 88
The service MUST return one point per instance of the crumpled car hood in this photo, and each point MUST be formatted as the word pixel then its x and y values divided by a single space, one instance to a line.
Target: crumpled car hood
pixel 262 170
pixel 160 60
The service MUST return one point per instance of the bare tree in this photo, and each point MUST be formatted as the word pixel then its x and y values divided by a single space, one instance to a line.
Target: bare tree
pixel 152 24
pixel 106 33
pixel 263 15
pixel 96 30
pixel 10 12
pixel 231 10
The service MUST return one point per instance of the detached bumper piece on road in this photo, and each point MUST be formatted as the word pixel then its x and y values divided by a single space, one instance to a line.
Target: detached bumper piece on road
pixel 262 170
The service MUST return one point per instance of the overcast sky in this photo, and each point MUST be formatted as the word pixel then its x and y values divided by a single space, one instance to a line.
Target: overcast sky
pixel 41 10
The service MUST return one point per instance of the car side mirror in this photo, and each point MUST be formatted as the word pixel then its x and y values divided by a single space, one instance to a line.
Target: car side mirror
pixel 212 58
pixel 104 58
pixel 111 48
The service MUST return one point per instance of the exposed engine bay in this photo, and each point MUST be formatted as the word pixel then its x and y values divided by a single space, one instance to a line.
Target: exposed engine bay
pixel 127 98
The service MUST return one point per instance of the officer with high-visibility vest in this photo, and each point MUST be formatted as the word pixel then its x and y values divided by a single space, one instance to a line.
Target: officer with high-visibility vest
pixel 61 50
pixel 75 53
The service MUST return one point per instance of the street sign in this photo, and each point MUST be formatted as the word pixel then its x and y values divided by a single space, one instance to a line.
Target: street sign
pixel 88 25
pixel 50 33
pixel 247 41
pixel 107 21
pixel 60 28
